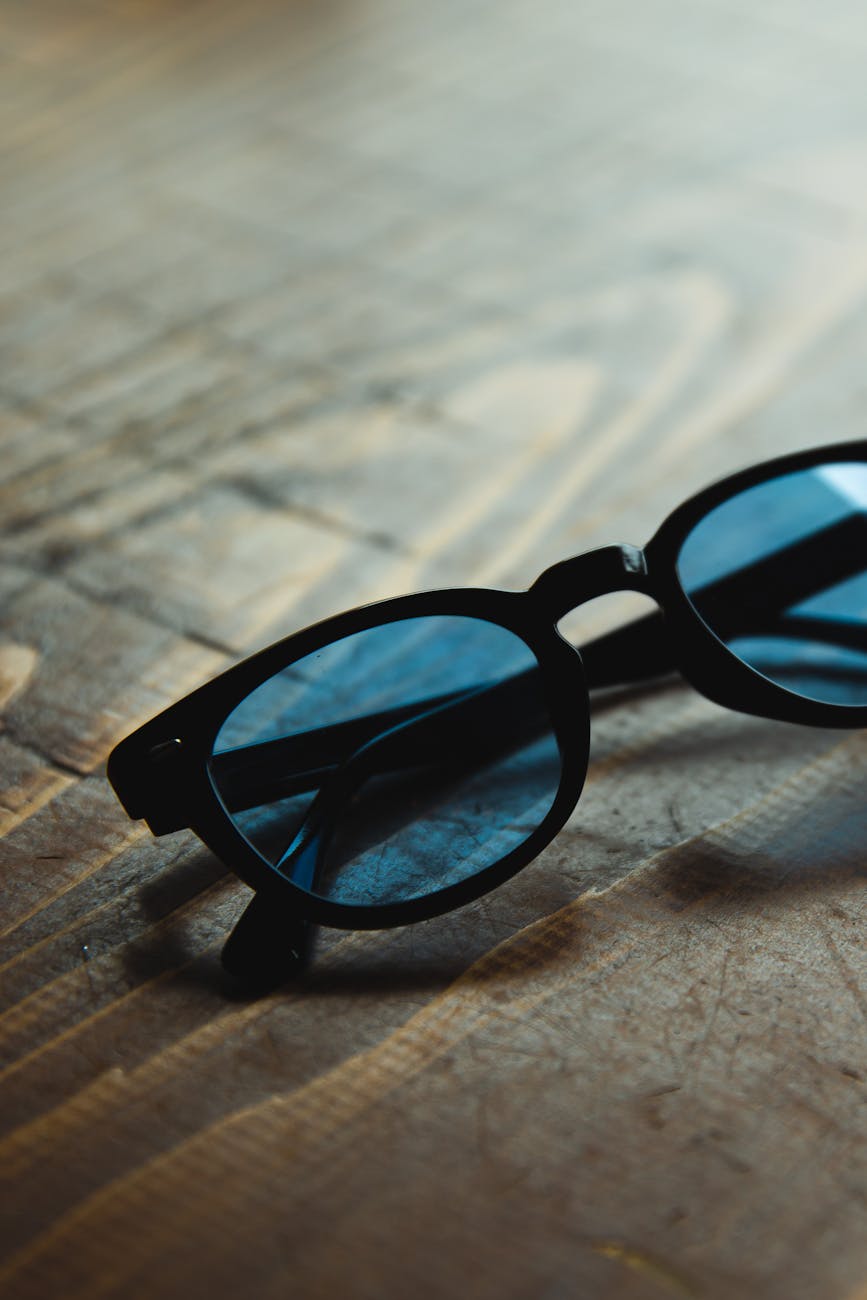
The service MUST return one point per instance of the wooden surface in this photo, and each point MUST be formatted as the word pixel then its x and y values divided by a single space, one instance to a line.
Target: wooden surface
pixel 303 305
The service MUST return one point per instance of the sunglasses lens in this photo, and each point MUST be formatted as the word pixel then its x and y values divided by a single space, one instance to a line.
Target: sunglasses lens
pixel 393 763
pixel 779 573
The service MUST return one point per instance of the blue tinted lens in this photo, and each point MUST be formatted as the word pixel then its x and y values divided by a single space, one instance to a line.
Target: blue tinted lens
pixel 779 573
pixel 393 763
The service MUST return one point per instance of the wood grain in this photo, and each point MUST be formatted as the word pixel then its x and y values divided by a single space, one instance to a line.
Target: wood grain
pixel 304 305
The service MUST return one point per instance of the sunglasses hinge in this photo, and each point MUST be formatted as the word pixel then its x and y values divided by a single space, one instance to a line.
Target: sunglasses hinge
pixel 150 785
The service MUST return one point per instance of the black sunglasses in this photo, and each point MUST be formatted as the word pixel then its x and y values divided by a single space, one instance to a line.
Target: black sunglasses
pixel 398 760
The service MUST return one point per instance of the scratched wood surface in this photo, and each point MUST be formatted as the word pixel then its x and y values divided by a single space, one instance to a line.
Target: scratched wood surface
pixel 303 305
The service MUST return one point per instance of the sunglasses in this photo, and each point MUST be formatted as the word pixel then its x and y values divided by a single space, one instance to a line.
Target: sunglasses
pixel 401 759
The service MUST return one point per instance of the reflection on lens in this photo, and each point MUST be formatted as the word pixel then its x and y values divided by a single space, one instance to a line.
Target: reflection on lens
pixel 779 573
pixel 393 763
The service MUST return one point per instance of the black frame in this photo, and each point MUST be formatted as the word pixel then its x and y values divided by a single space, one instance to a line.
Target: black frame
pixel 160 772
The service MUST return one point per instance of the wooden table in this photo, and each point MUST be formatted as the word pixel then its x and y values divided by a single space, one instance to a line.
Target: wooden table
pixel 304 305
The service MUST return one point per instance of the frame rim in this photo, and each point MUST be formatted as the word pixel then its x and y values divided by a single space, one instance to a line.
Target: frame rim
pixel 186 730
pixel 197 719
pixel 702 657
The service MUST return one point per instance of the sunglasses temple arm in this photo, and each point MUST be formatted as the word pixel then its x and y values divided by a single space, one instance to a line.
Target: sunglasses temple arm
pixel 756 597
pixel 268 770
pixel 638 652
pixel 252 775
pixel 427 742
pixel 268 944
pixel 256 775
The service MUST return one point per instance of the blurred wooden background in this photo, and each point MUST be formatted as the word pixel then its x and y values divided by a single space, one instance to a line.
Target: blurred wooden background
pixel 307 304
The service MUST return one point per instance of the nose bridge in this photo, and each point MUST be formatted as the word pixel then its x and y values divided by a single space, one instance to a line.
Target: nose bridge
pixel 597 573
